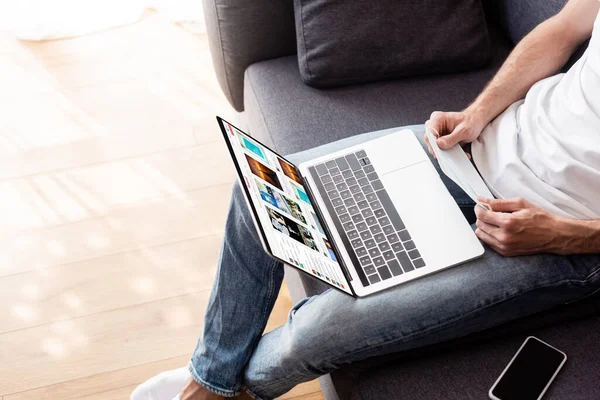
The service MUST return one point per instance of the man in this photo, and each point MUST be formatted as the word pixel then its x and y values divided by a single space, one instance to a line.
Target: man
pixel 535 141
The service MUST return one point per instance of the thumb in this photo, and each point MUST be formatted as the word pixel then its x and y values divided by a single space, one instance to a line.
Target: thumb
pixel 448 141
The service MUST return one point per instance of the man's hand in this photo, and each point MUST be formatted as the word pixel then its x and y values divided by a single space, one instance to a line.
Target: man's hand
pixel 516 227
pixel 454 127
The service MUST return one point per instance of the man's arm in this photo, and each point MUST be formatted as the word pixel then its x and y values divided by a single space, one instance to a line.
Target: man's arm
pixel 539 55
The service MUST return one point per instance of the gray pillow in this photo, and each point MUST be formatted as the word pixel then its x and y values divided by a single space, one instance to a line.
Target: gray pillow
pixel 342 42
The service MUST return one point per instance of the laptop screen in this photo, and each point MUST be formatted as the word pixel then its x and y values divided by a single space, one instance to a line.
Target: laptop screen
pixel 290 225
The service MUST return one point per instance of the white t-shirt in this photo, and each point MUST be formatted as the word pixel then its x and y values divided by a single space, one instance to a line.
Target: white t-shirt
pixel 546 148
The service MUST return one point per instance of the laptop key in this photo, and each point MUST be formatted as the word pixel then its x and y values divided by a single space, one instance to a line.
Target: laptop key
pixel 356 218
pixel 367 212
pixel 384 221
pixel 374 205
pixel 330 164
pixel 370 243
pixel 365 260
pixel 341 210
pixel 374 252
pixel 414 254
pixel 361 154
pixel 369 269
pixel 395 267
pixel 372 197
pixel 384 272
pixel 337 179
pixel 409 245
pixel 389 255
pixel 375 229
pixel 380 237
pixel 347 174
pixel 368 169
pixel 353 210
pixel 342 163
pixel 393 238
pixel 374 278
pixel 388 229
pixel 352 235
pixel 384 246
pixel 329 186
pixel 349 202
pixel 377 185
pixel 351 181
pixel 333 193
pixel 405 261
pixel 361 226
pixel 366 161
pixel 396 247
pixel 321 169
pixel 348 226
pixel 353 161
pixel 367 189
pixel 345 194
pixel 372 176
pixel 359 197
pixel 359 174
pixel 371 221
pixel 378 261
pixel 380 213
pixel 361 251
pixel 419 263
pixel 404 235
pixel 345 218
pixel 362 181
pixel 355 189
pixel 365 235
pixel 334 171
pixel 356 243
pixel 337 202
pixel 363 204
pixel 341 186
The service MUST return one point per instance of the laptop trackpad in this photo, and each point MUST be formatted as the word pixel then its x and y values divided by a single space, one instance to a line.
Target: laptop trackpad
pixel 437 225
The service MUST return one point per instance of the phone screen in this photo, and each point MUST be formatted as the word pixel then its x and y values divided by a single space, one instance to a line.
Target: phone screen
pixel 530 372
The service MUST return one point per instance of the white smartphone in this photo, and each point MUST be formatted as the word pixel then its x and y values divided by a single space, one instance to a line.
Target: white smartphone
pixel 530 372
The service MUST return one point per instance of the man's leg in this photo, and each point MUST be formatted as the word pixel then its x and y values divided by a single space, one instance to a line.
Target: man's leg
pixel 243 294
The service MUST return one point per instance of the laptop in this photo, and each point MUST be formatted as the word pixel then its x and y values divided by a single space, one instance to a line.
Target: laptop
pixel 362 219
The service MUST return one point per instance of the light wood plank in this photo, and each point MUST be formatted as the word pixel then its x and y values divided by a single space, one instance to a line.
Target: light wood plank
pixel 119 380
pixel 302 390
pixel 106 341
pixel 106 283
pixel 164 220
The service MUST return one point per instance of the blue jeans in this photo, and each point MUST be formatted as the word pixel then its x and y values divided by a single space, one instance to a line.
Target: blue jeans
pixel 327 331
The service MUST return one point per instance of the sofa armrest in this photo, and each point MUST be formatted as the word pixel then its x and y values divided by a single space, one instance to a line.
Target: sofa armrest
pixel 242 32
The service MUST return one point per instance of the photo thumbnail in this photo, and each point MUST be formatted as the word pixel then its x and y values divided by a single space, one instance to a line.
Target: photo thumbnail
pixel 290 171
pixel 252 147
pixel 263 172
pixel 284 225
pixel 308 239
pixel 280 201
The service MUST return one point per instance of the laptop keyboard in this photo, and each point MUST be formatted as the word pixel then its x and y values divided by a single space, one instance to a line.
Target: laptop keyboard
pixel 366 218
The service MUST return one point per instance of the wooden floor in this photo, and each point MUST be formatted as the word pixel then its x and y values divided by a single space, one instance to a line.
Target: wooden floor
pixel 114 185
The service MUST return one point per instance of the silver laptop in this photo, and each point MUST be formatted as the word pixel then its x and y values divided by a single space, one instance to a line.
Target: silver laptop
pixel 362 219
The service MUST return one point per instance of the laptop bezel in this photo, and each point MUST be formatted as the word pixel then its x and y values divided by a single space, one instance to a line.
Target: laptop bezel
pixel 256 219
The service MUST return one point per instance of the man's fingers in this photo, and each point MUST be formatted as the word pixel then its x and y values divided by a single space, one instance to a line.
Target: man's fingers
pixel 489 217
pixel 505 205
pixel 489 240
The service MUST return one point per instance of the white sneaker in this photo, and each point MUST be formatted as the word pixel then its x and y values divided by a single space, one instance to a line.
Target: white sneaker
pixel 164 386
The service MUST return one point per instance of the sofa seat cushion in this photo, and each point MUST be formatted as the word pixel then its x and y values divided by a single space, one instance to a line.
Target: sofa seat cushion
pixel 290 116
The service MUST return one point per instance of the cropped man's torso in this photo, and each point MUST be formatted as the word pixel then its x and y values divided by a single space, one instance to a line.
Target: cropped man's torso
pixel 546 148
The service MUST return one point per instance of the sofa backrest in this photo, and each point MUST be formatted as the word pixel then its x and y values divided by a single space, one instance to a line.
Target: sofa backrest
pixel 242 32
pixel 518 17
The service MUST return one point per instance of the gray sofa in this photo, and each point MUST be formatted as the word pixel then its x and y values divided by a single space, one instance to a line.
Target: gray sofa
pixel 253 47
